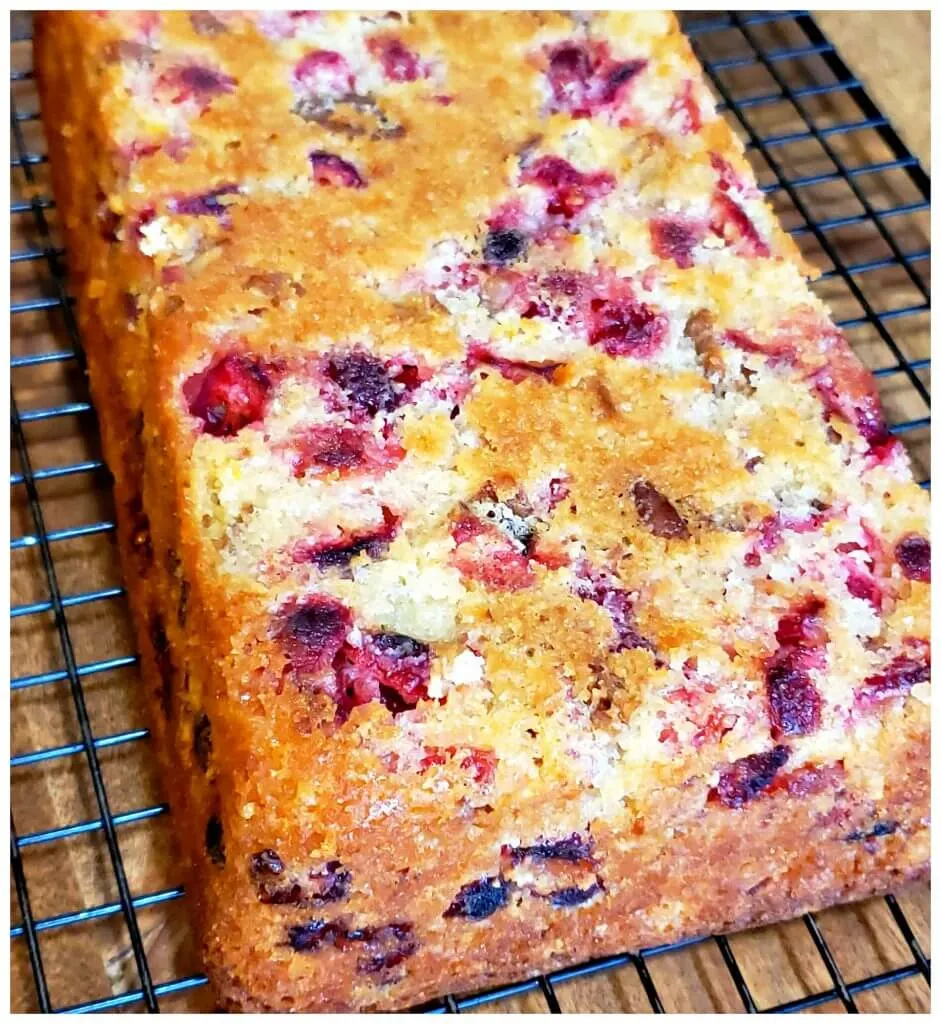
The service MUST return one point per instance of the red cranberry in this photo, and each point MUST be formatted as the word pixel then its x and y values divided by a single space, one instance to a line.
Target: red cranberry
pixel 503 247
pixel 686 110
pixel 658 513
pixel 617 80
pixel 337 554
pixel 324 72
pixel 728 177
pixel 229 395
pixel 584 79
pixel 570 70
pixel 673 237
pixel 792 697
pixel 729 221
pixel 482 766
pixel 398 62
pixel 619 605
pixel 344 450
pixel 312 633
pixel 913 553
pixel 746 778
pixel 803 626
pixel 330 169
pixel 569 191
pixel 626 327
pixel 389 667
pixel 895 680
pixel 515 370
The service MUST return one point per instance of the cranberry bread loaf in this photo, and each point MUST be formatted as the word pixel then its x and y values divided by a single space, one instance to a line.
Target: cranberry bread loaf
pixel 521 566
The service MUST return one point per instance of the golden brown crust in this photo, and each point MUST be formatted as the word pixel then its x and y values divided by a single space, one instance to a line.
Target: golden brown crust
pixel 622 581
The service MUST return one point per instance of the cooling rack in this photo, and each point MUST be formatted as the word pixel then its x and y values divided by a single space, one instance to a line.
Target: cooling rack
pixel 98 924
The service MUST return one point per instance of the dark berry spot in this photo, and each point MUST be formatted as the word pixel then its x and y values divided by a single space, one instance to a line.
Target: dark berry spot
pixel 266 862
pixel 794 701
pixel 913 553
pixel 328 885
pixel 673 237
pixel 204 204
pixel 573 896
pixel 480 899
pixel 626 327
pixel 215 841
pixel 330 169
pixel 570 68
pixel 326 448
pixel 229 395
pixel 202 741
pixel 657 512
pixel 573 848
pixel 386 946
pixel 164 661
pixel 313 633
pixel 504 247
pixel 337 554
pixel 881 828
pixel 193 82
pixel 398 62
pixel 364 380
pixel 744 779
pixel 618 78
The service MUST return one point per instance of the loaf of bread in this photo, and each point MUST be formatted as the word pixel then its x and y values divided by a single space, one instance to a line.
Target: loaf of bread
pixel 521 566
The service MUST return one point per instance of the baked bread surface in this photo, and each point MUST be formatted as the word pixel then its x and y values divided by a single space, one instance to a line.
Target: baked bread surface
pixel 521 566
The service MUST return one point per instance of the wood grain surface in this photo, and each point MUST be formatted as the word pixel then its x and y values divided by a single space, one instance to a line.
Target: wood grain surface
pixel 92 960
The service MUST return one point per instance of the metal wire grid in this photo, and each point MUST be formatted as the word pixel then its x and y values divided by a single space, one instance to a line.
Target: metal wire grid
pixel 772 61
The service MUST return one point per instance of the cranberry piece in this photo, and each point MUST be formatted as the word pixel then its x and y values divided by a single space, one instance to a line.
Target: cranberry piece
pixel 327 448
pixel 729 221
pixel 205 204
pixel 194 82
pixel 850 393
pixel 482 766
pixel 620 606
pixel 616 81
pixel 337 554
pixel 398 62
pixel 913 554
pixel 389 667
pixel 569 191
pixel 803 626
pixel 503 247
pixel 330 169
pixel 480 899
pixel 686 111
pixel 202 741
pixel 570 70
pixel 573 896
pixel 895 680
pixel 329 885
pixel 657 512
pixel 744 779
pixel 324 72
pixel 864 587
pixel 793 699
pixel 215 841
pixel 673 237
pixel 229 395
pixel 313 633
pixel 285 24
pixel 266 862
pixel 626 327
pixel 728 177
pixel 388 945
pixel 364 380
pixel 573 849
pixel 513 369
pixel 393 944
pixel 306 937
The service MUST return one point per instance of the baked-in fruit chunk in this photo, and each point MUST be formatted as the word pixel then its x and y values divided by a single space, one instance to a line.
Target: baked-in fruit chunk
pixel 522 567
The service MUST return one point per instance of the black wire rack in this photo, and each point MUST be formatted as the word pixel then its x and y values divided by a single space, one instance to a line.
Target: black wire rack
pixel 856 200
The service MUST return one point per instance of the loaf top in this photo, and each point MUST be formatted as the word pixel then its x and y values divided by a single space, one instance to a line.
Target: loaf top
pixel 518 457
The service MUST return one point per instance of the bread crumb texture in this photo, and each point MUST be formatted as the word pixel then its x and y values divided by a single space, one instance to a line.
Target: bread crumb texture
pixel 522 567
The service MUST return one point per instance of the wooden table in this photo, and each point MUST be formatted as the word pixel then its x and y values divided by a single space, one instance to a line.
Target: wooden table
pixel 890 53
